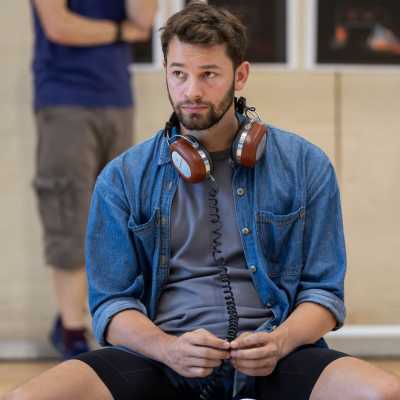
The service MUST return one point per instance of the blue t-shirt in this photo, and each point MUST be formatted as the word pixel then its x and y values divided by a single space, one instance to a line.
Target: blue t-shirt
pixel 90 76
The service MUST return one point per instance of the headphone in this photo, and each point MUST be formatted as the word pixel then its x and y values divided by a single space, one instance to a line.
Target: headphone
pixel 192 160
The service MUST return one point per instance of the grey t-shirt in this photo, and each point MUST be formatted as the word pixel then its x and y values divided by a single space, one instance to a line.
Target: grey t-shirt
pixel 193 297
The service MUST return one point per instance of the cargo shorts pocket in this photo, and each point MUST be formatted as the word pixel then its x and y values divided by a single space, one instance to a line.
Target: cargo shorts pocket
pixel 54 202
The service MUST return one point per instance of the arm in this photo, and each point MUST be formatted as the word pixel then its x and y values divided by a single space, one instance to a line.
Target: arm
pixel 133 329
pixel 67 28
pixel 256 354
pixel 141 12
pixel 319 303
pixel 116 287
pixel 307 324
pixel 324 252
pixel 194 354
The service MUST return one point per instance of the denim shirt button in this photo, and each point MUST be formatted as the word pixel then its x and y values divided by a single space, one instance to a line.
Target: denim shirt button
pixel 168 186
pixel 163 261
pixel 246 231
pixel 252 268
pixel 240 191
pixel 273 327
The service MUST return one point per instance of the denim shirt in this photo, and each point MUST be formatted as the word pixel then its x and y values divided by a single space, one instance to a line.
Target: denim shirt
pixel 290 203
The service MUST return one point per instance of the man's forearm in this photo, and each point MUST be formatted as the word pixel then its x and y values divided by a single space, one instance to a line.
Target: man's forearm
pixel 141 12
pixel 65 27
pixel 79 31
pixel 134 330
pixel 308 323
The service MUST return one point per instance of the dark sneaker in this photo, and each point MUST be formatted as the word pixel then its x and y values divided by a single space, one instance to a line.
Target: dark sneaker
pixel 68 343
pixel 75 347
pixel 56 335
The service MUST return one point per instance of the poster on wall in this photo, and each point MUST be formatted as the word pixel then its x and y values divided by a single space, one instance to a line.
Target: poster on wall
pixel 269 24
pixel 267 27
pixel 148 55
pixel 356 32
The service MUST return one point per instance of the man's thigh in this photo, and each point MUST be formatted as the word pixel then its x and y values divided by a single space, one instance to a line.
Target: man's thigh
pixel 128 376
pixel 69 380
pixel 296 375
pixel 352 378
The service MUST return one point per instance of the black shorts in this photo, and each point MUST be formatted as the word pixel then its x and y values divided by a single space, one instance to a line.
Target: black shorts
pixel 130 376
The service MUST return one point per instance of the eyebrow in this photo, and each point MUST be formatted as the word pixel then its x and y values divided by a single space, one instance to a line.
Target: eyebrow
pixel 206 66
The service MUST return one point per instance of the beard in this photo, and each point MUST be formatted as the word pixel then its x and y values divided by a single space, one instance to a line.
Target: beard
pixel 197 121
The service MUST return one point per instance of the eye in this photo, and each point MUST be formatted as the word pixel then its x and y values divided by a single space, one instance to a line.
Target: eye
pixel 178 74
pixel 209 74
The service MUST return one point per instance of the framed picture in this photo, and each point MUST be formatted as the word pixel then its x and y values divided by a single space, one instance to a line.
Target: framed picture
pixel 270 25
pixel 148 55
pixel 349 33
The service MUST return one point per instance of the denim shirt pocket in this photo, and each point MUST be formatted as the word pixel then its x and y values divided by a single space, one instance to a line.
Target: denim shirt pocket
pixel 146 238
pixel 281 240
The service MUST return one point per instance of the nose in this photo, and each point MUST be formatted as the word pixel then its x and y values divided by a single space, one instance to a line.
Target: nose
pixel 193 90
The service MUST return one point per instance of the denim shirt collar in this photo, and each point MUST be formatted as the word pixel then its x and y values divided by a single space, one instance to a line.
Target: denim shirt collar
pixel 165 156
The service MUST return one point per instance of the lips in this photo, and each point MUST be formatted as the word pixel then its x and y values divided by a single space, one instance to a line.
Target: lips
pixel 194 108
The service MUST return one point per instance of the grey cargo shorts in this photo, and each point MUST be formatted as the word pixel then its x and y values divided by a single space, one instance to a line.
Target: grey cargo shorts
pixel 74 144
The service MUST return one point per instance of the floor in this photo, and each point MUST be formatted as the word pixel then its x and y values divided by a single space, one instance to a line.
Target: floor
pixel 14 373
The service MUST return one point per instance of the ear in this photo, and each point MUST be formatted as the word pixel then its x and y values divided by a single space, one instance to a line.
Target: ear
pixel 241 74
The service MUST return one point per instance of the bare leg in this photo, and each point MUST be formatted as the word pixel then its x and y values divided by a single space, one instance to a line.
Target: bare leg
pixel 349 378
pixel 70 289
pixel 72 379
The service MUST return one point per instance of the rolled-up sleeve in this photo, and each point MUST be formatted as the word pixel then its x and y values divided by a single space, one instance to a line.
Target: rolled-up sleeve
pixel 115 281
pixel 324 254
pixel 107 310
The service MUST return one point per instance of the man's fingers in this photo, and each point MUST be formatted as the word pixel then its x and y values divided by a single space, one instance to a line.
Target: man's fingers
pixel 243 335
pixel 208 353
pixel 256 353
pixel 198 372
pixel 202 337
pixel 253 364
pixel 202 362
pixel 251 340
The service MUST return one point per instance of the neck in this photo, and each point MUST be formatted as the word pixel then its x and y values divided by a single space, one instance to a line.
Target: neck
pixel 220 136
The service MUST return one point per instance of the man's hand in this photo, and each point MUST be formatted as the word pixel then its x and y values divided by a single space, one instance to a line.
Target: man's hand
pixel 195 354
pixel 132 33
pixel 256 354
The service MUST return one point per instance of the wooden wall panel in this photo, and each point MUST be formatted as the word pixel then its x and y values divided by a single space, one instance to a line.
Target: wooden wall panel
pixel 371 195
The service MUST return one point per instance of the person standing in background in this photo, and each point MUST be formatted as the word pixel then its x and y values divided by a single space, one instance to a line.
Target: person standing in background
pixel 83 106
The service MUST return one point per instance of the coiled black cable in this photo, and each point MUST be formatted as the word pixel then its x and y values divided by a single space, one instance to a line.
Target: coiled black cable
pixel 209 388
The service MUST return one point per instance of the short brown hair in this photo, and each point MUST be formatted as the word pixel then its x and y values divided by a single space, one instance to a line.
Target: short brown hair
pixel 202 24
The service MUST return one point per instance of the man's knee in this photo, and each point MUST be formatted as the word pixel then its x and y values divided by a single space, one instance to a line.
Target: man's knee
pixel 389 389
pixel 17 394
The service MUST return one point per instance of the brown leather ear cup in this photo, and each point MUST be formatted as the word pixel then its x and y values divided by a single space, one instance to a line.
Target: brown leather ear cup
pixel 249 143
pixel 193 164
